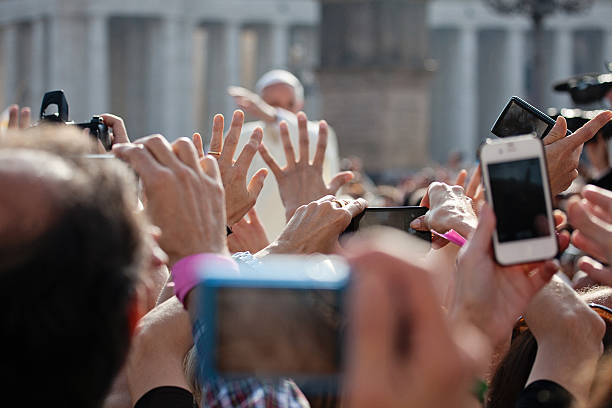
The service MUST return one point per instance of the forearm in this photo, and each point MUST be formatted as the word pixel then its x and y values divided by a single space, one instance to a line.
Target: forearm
pixel 573 371
pixel 158 350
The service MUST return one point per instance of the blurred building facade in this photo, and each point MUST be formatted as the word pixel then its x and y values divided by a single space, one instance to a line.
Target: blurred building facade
pixel 165 65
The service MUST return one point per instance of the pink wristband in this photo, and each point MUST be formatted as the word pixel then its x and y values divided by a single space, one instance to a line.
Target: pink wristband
pixel 452 236
pixel 190 271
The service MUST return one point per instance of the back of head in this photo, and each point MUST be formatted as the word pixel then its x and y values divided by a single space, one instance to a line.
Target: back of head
pixel 70 249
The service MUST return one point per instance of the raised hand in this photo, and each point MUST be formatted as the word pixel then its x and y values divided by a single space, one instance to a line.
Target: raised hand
pixel 300 181
pixel 19 118
pixel 592 219
pixel 563 152
pixel 248 235
pixel 490 296
pixel 402 351
pixel 252 103
pixel 239 196
pixel 185 196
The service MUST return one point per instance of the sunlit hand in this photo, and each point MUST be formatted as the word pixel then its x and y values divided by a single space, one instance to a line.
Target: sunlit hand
pixel 252 104
pixel 315 228
pixel 19 118
pixel 490 296
pixel 185 196
pixel 449 208
pixel 248 235
pixel 563 152
pixel 240 197
pixel 301 181
pixel 402 352
pixel 592 219
pixel 569 336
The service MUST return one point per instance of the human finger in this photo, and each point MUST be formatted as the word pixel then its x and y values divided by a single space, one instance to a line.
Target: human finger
pixel 211 168
pixel 13 117
pixel 257 183
pixel 231 139
pixel 474 184
pixel 186 152
pixel 287 145
pixel 598 196
pixel 595 270
pixel 141 161
pixel 542 275
pixel 420 223
pixel 304 143
pixel 563 240
pixel 272 164
pixel 118 125
pixel 24 118
pixel 598 212
pixel 461 177
pixel 356 207
pixel 560 219
pixel 199 144
pixel 481 240
pixel 339 180
pixel 371 322
pixel 161 150
pixel 253 218
pixel 319 156
pixel 216 139
pixel 589 225
pixel 248 151
pixel 559 131
pixel 590 129
pixel 586 244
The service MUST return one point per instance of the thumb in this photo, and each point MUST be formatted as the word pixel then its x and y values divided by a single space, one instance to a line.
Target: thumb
pixel 558 131
pixel 339 180
pixel 481 240
pixel 257 183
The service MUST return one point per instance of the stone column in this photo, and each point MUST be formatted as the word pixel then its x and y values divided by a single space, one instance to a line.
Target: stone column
pixel 464 103
pixel 231 36
pixel 9 65
pixel 514 75
pixel 38 67
pixel 280 45
pixel 607 45
pixel 98 64
pixel 561 65
pixel 169 98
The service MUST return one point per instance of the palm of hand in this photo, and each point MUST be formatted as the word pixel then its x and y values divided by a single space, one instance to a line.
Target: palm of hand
pixel 301 185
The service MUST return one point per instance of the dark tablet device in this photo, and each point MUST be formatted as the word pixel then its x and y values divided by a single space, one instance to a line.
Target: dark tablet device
pixel 395 217
pixel 521 118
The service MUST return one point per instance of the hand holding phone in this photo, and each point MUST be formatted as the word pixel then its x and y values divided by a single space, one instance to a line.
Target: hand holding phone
pixel 517 187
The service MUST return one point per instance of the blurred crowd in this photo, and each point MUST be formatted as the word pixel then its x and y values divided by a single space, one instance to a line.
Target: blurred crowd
pixel 106 254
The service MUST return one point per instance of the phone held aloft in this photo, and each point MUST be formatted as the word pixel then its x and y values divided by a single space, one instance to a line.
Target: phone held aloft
pixel 520 118
pixel 516 183
pixel 282 318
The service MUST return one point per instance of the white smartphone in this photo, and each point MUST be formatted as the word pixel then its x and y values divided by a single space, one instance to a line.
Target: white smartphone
pixel 516 182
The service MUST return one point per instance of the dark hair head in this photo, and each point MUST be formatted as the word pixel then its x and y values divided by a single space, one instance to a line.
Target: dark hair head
pixel 513 372
pixel 69 289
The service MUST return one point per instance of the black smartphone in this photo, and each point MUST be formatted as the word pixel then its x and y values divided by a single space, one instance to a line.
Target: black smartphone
pixel 521 118
pixel 395 217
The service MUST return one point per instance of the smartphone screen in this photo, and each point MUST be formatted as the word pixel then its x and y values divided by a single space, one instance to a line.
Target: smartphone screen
pixel 518 197
pixel 394 217
pixel 276 332
pixel 516 120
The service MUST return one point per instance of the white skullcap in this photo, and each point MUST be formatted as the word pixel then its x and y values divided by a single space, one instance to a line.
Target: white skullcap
pixel 279 76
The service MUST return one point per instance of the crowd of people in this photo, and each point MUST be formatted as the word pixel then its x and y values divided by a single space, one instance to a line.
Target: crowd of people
pixel 105 254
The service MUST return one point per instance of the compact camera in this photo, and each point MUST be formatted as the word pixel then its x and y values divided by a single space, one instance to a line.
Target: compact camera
pixel 97 128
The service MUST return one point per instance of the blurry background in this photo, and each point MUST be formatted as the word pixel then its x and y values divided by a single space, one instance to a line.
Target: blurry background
pixel 403 82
